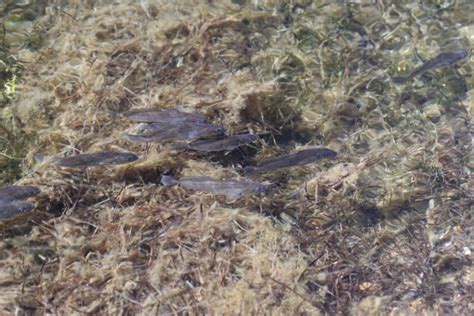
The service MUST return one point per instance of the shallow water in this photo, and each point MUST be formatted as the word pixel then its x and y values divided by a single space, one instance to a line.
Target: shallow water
pixel 387 221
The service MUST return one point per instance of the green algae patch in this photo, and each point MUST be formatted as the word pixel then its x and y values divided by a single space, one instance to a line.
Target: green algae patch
pixel 384 227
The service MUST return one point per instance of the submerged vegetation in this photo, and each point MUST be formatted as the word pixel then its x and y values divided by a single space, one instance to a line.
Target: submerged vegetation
pixel 382 228
pixel 12 149
pixel 17 31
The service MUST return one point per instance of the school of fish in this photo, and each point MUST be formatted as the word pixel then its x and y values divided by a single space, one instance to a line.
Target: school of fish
pixel 193 131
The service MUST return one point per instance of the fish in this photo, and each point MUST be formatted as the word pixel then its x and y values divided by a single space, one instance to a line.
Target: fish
pixel 169 116
pixel 442 60
pixel 14 208
pixel 151 128
pixel 231 188
pixel 182 132
pixel 17 192
pixel 228 143
pixel 296 159
pixel 96 159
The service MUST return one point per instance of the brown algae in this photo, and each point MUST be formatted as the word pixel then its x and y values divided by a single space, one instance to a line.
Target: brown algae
pixel 304 73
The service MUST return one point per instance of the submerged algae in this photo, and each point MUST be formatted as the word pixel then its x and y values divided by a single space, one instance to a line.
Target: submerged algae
pixel 317 70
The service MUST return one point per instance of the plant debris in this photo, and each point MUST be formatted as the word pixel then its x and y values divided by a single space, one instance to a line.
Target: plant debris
pixel 382 229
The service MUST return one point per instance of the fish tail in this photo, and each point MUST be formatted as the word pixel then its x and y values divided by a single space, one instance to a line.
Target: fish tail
pixel 168 180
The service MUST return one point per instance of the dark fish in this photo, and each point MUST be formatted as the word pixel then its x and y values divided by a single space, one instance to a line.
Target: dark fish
pixel 96 159
pixel 231 188
pixel 442 60
pixel 17 192
pixel 227 143
pixel 14 208
pixel 182 132
pixel 297 159
pixel 169 116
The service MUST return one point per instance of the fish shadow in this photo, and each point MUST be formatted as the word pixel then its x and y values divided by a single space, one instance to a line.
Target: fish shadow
pixel 240 156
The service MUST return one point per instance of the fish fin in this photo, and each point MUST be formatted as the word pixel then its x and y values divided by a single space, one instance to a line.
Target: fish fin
pixel 168 180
